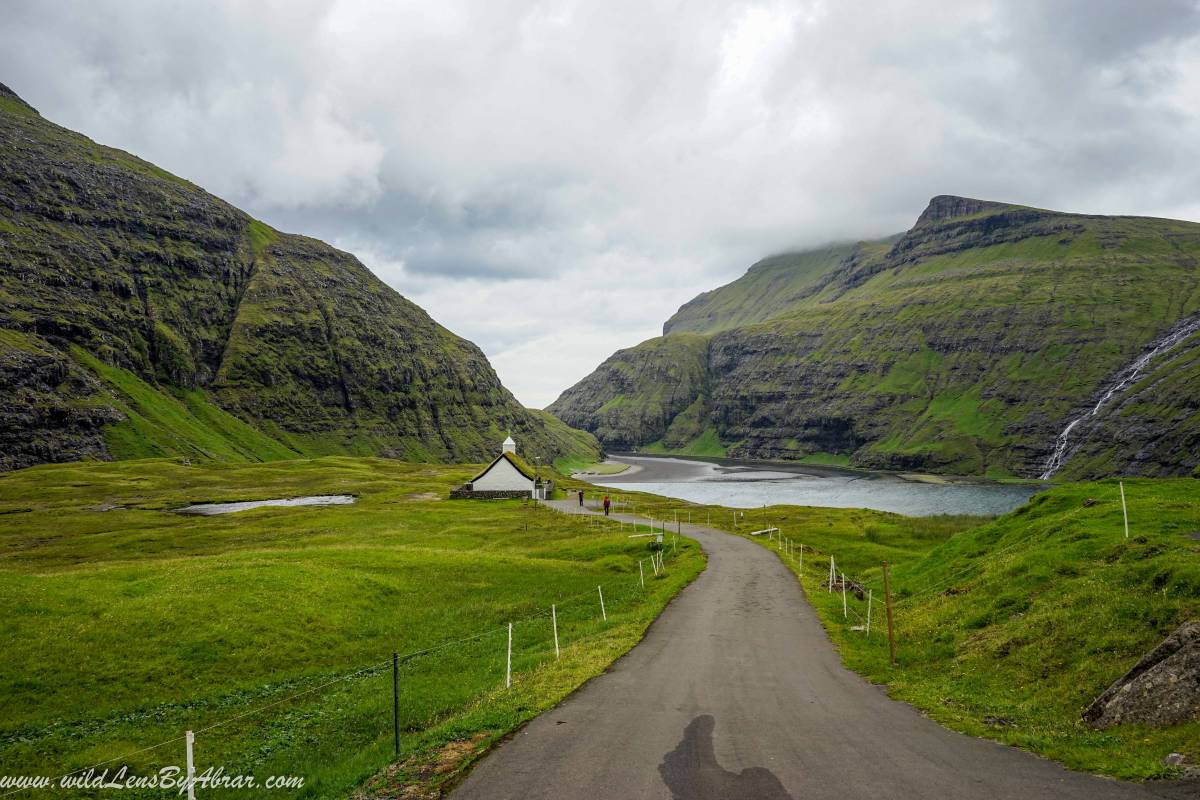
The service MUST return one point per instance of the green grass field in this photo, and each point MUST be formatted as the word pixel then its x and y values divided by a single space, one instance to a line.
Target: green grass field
pixel 125 624
pixel 1006 628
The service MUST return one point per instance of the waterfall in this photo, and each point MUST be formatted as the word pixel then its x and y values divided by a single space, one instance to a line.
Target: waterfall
pixel 1125 377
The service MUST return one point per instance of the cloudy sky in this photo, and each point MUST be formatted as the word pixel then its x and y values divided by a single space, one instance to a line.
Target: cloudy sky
pixel 551 180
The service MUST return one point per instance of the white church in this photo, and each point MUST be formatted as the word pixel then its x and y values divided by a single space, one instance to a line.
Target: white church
pixel 507 477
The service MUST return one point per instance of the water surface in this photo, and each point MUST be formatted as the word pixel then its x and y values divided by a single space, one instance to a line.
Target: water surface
pixel 211 509
pixel 752 485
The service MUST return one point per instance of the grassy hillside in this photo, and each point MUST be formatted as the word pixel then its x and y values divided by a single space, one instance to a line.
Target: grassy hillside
pixel 653 391
pixel 132 300
pixel 964 346
pixel 161 623
pixel 770 286
pixel 1009 628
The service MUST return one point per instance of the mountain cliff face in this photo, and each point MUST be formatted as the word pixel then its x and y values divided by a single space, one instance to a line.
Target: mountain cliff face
pixel 142 316
pixel 965 345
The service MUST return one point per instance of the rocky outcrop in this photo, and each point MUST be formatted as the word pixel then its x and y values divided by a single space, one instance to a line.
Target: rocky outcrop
pixel 963 346
pixel 44 415
pixel 104 255
pixel 1161 689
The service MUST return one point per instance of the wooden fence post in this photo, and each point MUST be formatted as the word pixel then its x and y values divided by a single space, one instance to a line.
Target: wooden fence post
pixel 396 701
pixel 191 766
pixel 554 620
pixel 887 597
pixel 1124 510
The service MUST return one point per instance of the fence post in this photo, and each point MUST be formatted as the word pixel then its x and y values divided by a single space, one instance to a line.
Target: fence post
pixel 868 612
pixel 1124 510
pixel 191 767
pixel 801 568
pixel 554 621
pixel 508 669
pixel 641 574
pixel 396 701
pixel 672 544
pixel 845 612
pixel 603 613
pixel 831 574
pixel 887 597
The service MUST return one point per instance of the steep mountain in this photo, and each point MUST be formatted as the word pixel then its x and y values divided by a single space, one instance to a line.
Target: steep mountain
pixel 142 316
pixel 966 345
pixel 769 287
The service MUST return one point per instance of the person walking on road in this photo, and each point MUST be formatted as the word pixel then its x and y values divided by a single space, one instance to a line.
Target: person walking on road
pixel 581 498
pixel 606 505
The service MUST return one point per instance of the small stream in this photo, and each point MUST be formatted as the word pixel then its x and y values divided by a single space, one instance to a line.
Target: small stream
pixel 1172 338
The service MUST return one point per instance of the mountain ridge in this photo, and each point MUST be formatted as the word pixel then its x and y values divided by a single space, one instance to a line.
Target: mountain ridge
pixel 137 303
pixel 965 345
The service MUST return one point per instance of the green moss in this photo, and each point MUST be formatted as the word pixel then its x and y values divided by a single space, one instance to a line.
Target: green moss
pixel 261 237
pixel 160 424
pixel 832 459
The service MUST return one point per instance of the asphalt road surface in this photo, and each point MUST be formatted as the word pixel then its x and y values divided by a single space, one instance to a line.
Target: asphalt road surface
pixel 737 694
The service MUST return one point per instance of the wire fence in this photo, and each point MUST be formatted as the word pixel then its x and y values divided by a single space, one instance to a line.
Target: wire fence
pixel 454 666
pixel 871 593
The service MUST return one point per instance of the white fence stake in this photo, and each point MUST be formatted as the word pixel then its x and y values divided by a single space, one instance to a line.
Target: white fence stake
pixel 508 668
pixel 831 574
pixel 801 568
pixel 641 574
pixel 603 613
pixel 845 613
pixel 868 612
pixel 1124 510
pixel 672 543
pixel 554 619
pixel 191 767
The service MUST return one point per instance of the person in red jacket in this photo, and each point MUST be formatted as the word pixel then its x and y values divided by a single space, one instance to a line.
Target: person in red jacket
pixel 606 505
pixel 581 498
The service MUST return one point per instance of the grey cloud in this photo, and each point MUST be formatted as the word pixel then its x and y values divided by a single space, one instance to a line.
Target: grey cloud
pixel 586 167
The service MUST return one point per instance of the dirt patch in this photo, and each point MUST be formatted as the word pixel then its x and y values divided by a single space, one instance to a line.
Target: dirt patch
pixel 424 496
pixel 424 775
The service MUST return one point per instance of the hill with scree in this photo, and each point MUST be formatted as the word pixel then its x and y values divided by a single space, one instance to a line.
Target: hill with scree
pixel 966 345
pixel 142 316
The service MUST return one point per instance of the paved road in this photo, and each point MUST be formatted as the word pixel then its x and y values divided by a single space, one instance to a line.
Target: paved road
pixel 737 694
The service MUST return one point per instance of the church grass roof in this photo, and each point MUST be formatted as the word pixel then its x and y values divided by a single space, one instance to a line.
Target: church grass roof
pixel 519 463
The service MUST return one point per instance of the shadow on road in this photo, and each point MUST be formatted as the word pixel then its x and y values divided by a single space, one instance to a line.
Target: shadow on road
pixel 691 771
